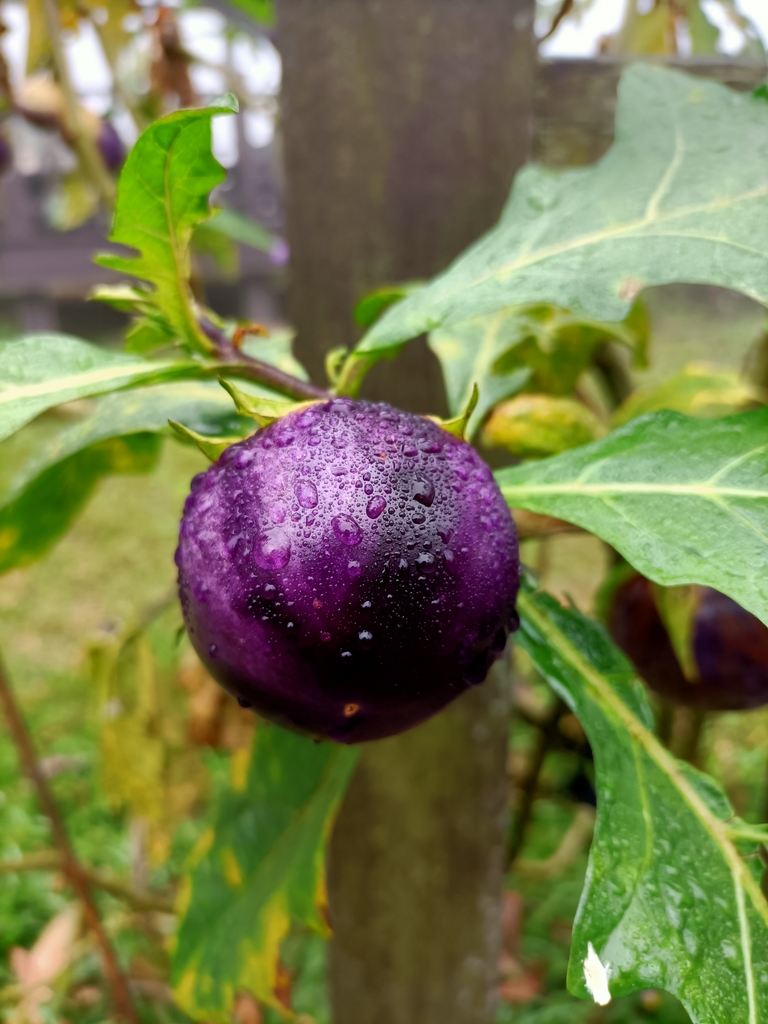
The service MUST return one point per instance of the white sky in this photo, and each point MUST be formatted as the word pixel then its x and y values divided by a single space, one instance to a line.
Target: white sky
pixel 604 17
pixel 259 64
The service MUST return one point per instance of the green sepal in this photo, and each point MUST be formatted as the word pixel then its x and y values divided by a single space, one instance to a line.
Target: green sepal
pixel 458 425
pixel 211 447
pixel 335 358
pixel 263 410
pixel 677 607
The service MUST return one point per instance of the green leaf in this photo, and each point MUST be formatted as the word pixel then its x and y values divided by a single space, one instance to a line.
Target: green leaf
pixel 118 436
pixel 682 195
pixel 36 516
pixel 668 901
pixel 211 447
pixel 373 305
pixel 40 371
pixel 698 390
pixel 262 11
pixel 704 35
pixel 241 228
pixel 162 196
pixel 684 500
pixel 539 348
pixel 259 870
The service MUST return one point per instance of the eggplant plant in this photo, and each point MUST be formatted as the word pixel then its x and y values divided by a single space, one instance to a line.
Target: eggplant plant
pixel 347 569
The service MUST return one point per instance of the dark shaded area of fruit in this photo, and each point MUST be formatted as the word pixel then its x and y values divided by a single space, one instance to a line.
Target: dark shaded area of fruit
pixel 348 570
pixel 730 648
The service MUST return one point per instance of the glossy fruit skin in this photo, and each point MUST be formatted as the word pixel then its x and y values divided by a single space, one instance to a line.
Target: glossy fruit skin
pixel 730 648
pixel 348 570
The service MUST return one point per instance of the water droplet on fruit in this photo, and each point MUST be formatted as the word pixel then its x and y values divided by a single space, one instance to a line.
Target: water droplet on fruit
pixel 325 637
pixel 418 518
pixel 426 561
pixel 346 654
pixel 272 550
pixel 213 651
pixel 244 457
pixel 410 452
pixel 244 703
pixel 354 569
pixel 306 493
pixel 347 530
pixel 375 506
pixel 430 445
pixel 365 638
pixel 368 488
pixel 423 491
pixel 278 512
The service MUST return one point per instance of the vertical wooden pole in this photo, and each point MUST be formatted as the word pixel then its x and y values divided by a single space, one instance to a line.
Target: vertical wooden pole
pixel 404 122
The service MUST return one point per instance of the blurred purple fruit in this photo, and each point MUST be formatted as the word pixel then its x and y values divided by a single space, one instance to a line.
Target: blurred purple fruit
pixel 110 146
pixel 730 648
pixel 348 570
pixel 6 154
pixel 279 253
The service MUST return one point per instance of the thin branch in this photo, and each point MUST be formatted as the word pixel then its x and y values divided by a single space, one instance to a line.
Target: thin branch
pixel 571 845
pixel 132 108
pixel 52 860
pixel 246 366
pixel 121 997
pixel 86 147
pixel 529 785
pixel 565 9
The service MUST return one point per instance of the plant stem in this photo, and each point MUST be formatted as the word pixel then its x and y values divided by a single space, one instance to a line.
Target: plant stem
pixel 121 997
pixel 565 9
pixel 51 860
pixel 547 736
pixel 235 360
pixel 140 122
pixel 86 147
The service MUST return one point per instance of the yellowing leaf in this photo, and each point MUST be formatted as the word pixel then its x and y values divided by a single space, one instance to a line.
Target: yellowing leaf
pixel 532 426
pixel 147 764
pixel 700 389
pixel 264 870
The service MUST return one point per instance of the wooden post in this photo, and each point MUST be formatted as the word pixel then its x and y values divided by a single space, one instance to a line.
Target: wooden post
pixel 404 122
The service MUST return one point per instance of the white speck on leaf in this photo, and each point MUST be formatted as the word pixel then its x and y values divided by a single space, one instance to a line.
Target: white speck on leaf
pixel 596 977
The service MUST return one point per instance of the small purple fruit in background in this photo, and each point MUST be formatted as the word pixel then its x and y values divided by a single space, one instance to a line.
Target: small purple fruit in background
pixel 730 648
pixel 110 146
pixel 6 154
pixel 348 570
